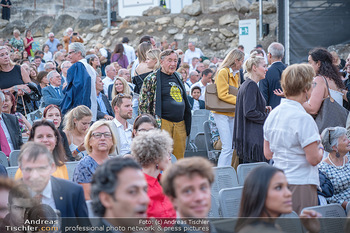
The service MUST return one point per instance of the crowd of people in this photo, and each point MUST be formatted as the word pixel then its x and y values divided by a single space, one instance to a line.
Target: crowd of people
pixel 125 113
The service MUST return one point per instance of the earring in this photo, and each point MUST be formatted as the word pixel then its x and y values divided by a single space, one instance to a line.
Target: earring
pixel 157 166
pixel 337 154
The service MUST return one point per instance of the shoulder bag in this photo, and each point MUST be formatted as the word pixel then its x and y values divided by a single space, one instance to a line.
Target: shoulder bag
pixel 331 114
pixel 212 101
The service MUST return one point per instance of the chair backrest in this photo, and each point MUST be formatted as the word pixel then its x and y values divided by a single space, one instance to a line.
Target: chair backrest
pixel 207 136
pixel 225 177
pixel 197 126
pixel 244 169
pixel 224 225
pixel 230 201
pixel 211 152
pixel 290 223
pixel 201 112
pixel 3 159
pixel 333 217
pixel 199 141
pixel 70 168
pixel 214 210
pixel 13 158
pixel 11 171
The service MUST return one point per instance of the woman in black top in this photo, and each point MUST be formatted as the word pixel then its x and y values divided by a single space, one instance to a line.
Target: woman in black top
pixel 12 77
pixel 251 113
pixel 142 69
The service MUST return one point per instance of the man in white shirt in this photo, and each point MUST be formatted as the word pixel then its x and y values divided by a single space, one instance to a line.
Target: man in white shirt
pixel 192 52
pixel 207 74
pixel 193 64
pixel 122 107
pixel 111 72
pixel 194 77
pixel 128 50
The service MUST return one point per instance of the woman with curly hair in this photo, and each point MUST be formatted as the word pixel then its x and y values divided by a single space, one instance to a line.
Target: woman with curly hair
pixel 327 75
pixel 152 151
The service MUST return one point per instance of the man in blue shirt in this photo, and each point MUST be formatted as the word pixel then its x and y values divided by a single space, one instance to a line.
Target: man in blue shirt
pixel 52 42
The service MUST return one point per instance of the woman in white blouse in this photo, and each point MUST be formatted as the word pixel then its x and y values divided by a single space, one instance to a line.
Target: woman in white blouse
pixel 291 137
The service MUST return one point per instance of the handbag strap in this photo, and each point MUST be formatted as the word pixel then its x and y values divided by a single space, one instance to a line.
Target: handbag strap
pixel 329 93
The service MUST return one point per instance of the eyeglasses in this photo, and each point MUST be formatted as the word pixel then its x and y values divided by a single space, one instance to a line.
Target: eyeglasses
pixel 99 135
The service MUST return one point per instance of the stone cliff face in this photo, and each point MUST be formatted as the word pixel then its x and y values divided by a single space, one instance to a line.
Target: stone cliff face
pixel 214 31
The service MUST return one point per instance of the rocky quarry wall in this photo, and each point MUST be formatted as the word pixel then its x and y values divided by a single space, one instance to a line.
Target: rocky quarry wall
pixel 215 31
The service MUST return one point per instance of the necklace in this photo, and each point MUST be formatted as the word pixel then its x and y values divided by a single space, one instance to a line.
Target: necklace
pixel 338 167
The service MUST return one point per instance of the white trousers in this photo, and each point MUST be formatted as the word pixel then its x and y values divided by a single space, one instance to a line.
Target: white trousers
pixel 225 128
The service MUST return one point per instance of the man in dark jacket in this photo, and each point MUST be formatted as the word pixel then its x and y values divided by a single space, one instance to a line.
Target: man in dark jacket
pixel 272 79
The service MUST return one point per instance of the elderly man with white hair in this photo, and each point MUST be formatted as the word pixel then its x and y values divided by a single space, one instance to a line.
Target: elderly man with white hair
pixel 192 52
pixel 81 81
pixel 52 42
pixel 52 94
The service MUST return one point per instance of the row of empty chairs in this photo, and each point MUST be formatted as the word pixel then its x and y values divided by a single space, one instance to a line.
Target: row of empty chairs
pixel 227 188
pixel 12 160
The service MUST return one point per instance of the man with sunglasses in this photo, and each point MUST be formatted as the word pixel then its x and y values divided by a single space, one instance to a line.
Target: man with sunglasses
pixel 163 95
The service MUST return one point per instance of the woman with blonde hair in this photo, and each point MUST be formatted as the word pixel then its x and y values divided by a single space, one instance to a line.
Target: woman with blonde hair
pixel 17 42
pixel 291 137
pixel 227 75
pixel 152 59
pixel 120 86
pixel 251 113
pixel 76 123
pixel 140 74
pixel 99 143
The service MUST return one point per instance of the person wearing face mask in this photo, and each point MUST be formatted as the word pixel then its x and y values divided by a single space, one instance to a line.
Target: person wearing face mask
pixel 291 137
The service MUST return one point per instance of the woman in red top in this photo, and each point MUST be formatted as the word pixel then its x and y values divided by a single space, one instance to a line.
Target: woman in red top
pixel 28 40
pixel 152 150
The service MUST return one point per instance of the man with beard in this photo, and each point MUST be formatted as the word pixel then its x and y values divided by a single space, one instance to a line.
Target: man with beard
pixel 122 107
pixel 119 194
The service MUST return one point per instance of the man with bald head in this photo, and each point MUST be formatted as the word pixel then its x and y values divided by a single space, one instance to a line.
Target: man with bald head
pixel 192 52
pixel 273 75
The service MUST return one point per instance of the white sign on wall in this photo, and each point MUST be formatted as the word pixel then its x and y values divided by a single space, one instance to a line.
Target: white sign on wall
pixel 247 34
